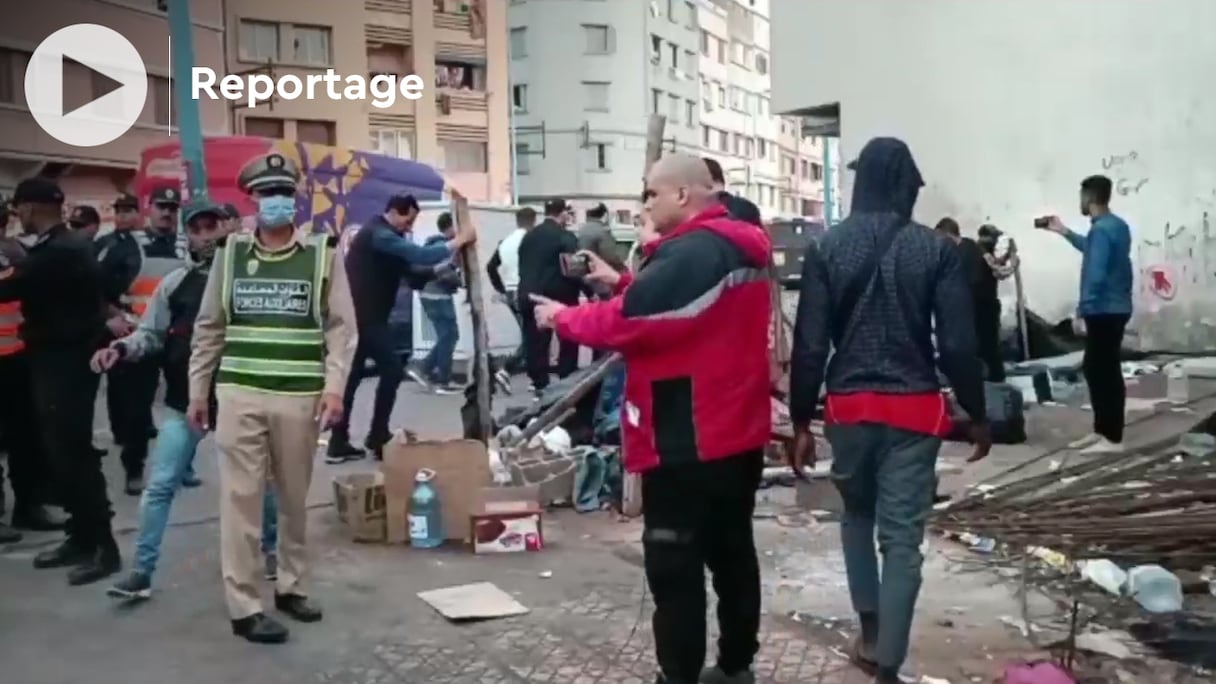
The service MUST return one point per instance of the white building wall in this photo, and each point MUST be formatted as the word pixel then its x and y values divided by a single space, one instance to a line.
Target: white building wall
pixel 554 68
pixel 1007 106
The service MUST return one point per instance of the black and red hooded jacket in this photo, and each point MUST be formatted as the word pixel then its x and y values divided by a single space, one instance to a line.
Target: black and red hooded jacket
pixel 692 327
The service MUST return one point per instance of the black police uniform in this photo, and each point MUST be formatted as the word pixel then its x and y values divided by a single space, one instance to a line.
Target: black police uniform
pixel 59 287
pixel 118 253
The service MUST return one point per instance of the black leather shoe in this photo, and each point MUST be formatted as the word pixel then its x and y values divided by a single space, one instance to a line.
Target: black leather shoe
pixel 260 629
pixel 66 555
pixel 340 450
pixel 8 535
pixel 134 485
pixel 36 519
pixel 297 607
pixel 103 563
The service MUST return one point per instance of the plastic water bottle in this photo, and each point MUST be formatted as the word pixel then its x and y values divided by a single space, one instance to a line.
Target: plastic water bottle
pixel 1156 589
pixel 1177 384
pixel 425 515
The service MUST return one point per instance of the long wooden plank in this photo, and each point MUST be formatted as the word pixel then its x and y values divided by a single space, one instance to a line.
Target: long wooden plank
pixel 477 308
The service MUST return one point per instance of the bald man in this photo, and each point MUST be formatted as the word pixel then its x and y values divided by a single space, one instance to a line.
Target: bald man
pixel 692 327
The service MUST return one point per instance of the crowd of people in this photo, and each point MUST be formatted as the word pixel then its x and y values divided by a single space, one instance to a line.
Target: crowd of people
pixel 262 336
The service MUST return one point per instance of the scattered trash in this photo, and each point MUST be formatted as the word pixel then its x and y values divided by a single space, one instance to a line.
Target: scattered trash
pixel 945 622
pixel 1156 589
pixel 926 679
pixel 1132 369
pixel 1177 384
pixel 1105 574
pixel 1037 673
pixel 479 601
pixel 1197 444
pixel 1108 643
pixel 546 574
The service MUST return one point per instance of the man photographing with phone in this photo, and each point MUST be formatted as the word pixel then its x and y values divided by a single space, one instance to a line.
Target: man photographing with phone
pixel 1105 305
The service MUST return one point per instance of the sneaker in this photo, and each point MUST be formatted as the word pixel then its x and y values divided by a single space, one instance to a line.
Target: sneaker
pixel 136 587
pixel 716 675
pixel 340 450
pixel 1103 446
pixel 191 479
pixel 447 388
pixel 134 485
pixel 503 379
pixel 1085 441
pixel 272 567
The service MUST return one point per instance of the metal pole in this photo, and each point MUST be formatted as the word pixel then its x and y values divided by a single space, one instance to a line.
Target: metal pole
pixel 829 177
pixel 189 124
pixel 513 137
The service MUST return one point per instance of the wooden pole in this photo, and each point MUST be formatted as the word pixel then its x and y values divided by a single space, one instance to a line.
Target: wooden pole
pixel 1021 300
pixel 655 126
pixel 481 336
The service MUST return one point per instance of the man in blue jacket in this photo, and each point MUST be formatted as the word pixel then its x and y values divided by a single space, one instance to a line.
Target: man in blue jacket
pixel 1105 306
pixel 380 255
pixel 438 303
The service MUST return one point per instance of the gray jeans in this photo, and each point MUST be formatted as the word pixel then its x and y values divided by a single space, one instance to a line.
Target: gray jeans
pixel 886 477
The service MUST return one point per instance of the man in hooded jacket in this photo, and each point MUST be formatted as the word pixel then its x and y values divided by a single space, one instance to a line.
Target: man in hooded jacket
pixel 872 287
pixel 692 328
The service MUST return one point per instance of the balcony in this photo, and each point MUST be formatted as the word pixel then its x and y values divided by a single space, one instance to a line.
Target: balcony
pixel 452 21
pixel 391 6
pixel 379 35
pixel 461 108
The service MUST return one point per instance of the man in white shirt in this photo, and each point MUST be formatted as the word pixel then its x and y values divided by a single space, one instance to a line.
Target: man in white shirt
pixel 503 270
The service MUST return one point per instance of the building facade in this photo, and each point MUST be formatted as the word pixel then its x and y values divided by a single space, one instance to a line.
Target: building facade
pixel 766 158
pixel 95 176
pixel 1007 106
pixel 585 77
pixel 458 47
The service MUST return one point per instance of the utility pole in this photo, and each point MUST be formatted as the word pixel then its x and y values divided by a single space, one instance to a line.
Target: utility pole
pixel 189 123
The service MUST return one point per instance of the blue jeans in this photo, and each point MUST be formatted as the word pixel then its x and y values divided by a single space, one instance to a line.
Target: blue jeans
pixel 442 313
pixel 174 451
pixel 886 477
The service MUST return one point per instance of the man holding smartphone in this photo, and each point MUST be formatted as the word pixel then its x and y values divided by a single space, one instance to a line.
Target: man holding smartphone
pixel 1105 305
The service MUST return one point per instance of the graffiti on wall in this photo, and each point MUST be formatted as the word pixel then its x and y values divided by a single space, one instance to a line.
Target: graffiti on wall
pixel 1125 172
pixel 1176 273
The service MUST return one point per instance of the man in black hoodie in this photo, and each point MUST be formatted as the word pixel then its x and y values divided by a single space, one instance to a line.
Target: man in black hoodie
pixel 872 287
pixel 540 273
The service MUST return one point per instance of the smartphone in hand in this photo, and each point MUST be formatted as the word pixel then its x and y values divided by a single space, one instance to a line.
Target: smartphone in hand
pixel 1042 222
pixel 575 265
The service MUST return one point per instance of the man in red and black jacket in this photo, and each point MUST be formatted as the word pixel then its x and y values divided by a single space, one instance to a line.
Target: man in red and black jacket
pixel 692 328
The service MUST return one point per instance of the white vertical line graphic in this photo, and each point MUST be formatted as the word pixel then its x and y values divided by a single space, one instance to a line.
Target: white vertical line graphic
pixel 170 88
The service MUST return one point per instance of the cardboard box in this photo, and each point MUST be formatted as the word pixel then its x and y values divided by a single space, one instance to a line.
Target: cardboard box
pixel 359 498
pixel 507 520
pixel 462 468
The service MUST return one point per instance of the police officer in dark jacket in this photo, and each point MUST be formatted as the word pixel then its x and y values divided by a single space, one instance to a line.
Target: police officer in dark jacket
pixel 59 287
pixel 118 253
pixel 86 221
pixel 380 255
pixel 540 273
pixel 738 207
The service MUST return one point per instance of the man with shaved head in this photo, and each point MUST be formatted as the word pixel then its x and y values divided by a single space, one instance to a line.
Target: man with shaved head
pixel 692 327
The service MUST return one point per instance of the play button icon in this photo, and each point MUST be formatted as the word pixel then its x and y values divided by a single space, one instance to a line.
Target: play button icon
pixel 86 85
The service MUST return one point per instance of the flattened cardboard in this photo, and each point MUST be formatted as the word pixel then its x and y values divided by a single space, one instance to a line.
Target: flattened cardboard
pixel 480 601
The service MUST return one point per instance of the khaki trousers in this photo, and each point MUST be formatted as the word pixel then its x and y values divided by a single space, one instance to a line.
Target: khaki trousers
pixel 260 434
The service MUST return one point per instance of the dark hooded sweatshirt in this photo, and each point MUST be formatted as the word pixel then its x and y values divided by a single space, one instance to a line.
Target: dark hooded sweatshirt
pixel 882 369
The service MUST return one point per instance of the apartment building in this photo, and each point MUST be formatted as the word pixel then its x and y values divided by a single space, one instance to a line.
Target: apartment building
pixel 585 76
pixel 96 175
pixel 765 157
pixel 459 47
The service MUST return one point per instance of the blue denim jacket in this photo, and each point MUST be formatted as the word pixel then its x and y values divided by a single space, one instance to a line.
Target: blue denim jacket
pixel 1106 266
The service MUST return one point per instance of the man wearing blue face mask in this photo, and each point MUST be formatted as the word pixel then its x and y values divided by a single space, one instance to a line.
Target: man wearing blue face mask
pixel 277 323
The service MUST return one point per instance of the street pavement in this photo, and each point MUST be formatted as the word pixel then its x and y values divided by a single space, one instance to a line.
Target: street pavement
pixel 589 610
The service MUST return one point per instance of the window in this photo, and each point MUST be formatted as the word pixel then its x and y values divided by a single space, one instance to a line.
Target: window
pixel 761 63
pixel 671 11
pixel 721 95
pixel 723 141
pixel 656 49
pixel 310 45
pixel 599 156
pixel 816 171
pixel 656 101
pixel 761 148
pixel 258 41
pixel 624 216
pixel 318 132
pixel 460 75
pixel 598 39
pixel 673 107
pixel 690 113
pixel 690 15
pixel 10 66
pixel 461 156
pixel 523 160
pixel 721 50
pixel 704 42
pixel 675 55
pixel 263 128
pixel 597 96
pixel 162 108
pixel 393 142
pixel 519 43
pixel 519 98
pixel 705 132
pixel 736 99
pixel 389 60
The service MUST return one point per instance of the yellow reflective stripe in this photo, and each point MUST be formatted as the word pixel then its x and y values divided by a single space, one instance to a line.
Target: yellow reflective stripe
pixel 244 333
pixel 298 369
pixel 226 281
pixel 319 275
pixel 263 390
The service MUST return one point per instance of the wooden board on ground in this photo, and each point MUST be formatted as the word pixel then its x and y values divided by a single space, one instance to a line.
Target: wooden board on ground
pixel 480 601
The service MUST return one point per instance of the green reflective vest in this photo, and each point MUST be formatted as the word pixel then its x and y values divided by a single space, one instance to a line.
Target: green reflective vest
pixel 275 340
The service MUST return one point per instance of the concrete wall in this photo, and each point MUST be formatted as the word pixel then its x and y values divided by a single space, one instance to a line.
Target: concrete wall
pixel 1008 105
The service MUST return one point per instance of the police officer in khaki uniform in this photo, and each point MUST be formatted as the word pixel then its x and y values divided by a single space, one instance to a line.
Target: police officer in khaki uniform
pixel 276 328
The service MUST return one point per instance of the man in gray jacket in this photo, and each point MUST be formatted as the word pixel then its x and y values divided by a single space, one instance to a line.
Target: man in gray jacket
pixel 595 236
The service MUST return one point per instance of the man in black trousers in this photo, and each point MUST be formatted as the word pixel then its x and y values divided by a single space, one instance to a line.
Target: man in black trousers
pixel 540 273
pixel 59 288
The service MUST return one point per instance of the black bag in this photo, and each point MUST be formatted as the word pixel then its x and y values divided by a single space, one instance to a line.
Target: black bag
pixel 1006 415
